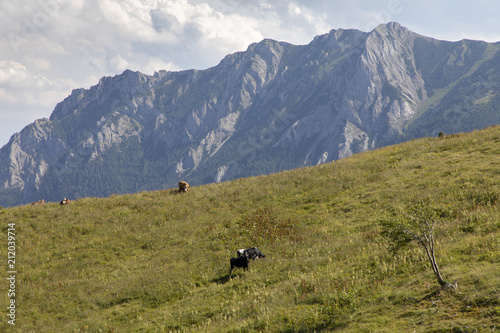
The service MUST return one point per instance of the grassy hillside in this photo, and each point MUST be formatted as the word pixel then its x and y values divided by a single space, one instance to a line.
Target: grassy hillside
pixel 159 261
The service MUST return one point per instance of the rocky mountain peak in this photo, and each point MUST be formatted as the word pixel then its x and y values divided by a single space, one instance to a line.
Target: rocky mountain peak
pixel 272 107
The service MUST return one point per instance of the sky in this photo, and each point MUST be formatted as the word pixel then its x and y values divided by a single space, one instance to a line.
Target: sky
pixel 50 47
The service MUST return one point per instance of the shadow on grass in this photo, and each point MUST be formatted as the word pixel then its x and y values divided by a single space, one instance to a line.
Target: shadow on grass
pixel 172 191
pixel 223 279
pixel 226 278
pixel 435 293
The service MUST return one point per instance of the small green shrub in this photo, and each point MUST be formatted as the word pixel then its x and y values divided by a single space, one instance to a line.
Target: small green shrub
pixel 264 226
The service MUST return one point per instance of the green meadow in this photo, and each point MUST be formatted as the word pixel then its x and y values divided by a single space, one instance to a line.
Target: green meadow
pixel 159 261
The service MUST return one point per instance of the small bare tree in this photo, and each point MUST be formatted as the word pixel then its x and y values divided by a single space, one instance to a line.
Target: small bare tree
pixel 415 224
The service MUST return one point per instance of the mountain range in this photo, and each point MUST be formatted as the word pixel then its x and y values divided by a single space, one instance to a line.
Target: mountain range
pixel 275 106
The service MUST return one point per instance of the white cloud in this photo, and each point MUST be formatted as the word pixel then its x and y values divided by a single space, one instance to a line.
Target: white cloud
pixel 21 87
pixel 156 64
pixel 118 63
pixel 25 97
pixel 294 10
pixel 50 47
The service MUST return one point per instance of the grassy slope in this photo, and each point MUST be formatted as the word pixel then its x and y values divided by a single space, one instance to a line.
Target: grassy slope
pixel 159 261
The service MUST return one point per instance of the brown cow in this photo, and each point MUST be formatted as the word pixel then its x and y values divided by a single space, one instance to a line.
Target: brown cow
pixel 39 203
pixel 183 186
pixel 64 201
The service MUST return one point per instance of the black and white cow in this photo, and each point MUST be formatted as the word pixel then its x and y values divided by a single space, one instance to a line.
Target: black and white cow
pixel 241 262
pixel 252 253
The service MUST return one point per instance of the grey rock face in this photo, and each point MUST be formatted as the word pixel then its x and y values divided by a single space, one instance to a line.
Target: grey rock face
pixel 275 106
